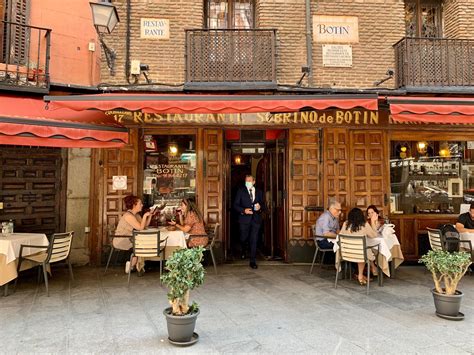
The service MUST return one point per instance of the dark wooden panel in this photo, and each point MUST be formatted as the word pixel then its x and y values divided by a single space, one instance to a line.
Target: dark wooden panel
pixel 32 189
pixel 305 185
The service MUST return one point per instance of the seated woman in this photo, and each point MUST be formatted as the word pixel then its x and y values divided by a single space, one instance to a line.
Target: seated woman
pixel 373 218
pixel 129 221
pixel 191 222
pixel 357 226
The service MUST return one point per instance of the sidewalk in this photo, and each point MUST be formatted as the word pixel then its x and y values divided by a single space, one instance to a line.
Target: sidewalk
pixel 275 309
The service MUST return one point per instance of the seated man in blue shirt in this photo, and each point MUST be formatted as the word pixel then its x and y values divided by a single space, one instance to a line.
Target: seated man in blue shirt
pixel 328 225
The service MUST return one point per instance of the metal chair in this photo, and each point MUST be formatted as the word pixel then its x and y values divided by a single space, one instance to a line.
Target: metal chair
pixel 59 249
pixel 213 235
pixel 354 249
pixel 436 239
pixel 318 249
pixel 111 236
pixel 147 244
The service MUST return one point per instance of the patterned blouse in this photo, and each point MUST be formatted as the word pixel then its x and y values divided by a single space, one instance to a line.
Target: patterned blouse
pixel 197 228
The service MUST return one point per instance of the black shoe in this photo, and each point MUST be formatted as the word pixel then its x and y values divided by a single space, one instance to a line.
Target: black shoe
pixel 253 266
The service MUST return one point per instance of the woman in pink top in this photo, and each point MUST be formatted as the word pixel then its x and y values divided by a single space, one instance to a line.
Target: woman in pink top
pixel 357 225
pixel 191 222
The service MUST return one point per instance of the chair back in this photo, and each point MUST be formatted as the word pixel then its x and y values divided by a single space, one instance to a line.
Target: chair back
pixel 148 244
pixel 213 236
pixel 436 239
pixel 59 247
pixel 352 248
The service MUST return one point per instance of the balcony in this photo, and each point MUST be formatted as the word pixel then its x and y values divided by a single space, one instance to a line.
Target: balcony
pixel 430 63
pixel 24 57
pixel 230 59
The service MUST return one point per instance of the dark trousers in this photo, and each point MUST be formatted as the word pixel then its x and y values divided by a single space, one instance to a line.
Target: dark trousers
pixel 325 244
pixel 249 232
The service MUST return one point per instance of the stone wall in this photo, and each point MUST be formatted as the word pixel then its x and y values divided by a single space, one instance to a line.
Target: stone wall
pixel 77 209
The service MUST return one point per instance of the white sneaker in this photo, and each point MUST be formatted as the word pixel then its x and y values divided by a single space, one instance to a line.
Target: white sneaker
pixel 127 267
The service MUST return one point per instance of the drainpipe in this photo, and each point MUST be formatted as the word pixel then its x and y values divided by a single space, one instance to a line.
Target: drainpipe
pixel 309 43
pixel 127 44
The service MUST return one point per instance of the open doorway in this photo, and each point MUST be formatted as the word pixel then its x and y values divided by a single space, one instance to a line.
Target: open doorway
pixel 262 155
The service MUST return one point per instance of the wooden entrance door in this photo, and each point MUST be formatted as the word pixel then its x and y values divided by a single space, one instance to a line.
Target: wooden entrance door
pixel 275 231
pixel 368 169
pixel 337 167
pixel 304 184
pixel 106 204
pixel 32 188
pixel 212 186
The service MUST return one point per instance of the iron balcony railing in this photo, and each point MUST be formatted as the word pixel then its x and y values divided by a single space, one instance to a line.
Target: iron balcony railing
pixel 231 58
pixel 24 57
pixel 434 62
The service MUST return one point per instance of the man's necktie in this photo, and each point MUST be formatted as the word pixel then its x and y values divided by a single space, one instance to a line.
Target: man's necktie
pixel 251 196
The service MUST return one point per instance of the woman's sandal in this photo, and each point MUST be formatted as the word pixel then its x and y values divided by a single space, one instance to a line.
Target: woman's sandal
pixel 362 282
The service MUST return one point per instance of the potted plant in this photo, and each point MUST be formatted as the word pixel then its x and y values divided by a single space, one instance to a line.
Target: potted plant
pixel 185 272
pixel 447 270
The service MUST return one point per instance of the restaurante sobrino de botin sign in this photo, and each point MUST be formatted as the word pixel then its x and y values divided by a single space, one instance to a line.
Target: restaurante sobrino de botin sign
pixel 359 118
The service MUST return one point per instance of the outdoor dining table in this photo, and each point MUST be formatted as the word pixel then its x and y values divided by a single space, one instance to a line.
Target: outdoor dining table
pixel 176 240
pixel 10 250
pixel 389 249
pixel 466 236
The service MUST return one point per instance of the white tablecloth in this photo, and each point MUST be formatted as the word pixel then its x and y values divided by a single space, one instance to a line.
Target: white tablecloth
pixel 466 236
pixel 10 244
pixel 372 242
pixel 176 240
pixel 10 251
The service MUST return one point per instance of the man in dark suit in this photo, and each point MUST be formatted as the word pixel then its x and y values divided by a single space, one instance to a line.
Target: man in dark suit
pixel 249 204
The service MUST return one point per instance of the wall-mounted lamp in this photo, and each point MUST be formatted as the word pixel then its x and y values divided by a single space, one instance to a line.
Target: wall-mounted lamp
pixel 444 150
pixel 237 159
pixel 105 18
pixel 173 148
pixel 422 147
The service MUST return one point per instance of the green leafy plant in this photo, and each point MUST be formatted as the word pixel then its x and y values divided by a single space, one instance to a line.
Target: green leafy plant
pixel 446 268
pixel 185 272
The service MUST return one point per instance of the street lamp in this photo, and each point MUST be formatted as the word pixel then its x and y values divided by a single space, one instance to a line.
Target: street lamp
pixel 105 18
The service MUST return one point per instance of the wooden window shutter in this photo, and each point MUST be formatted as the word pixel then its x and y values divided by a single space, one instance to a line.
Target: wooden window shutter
pixel 15 37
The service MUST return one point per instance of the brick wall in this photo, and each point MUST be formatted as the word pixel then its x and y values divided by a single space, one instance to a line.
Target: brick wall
pixel 164 57
pixel 288 17
pixel 381 24
pixel 458 19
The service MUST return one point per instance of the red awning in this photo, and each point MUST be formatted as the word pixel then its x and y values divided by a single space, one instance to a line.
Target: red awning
pixel 183 103
pixel 432 109
pixel 25 121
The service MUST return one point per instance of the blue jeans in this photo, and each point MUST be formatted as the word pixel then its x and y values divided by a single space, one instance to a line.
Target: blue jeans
pixel 325 244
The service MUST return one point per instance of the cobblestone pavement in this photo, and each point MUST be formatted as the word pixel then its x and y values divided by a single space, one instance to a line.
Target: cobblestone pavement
pixel 275 309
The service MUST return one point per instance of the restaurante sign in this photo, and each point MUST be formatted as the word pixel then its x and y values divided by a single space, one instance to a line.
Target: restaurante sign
pixel 305 118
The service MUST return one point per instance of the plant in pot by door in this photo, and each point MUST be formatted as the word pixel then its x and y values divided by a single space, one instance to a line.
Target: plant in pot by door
pixel 185 272
pixel 447 270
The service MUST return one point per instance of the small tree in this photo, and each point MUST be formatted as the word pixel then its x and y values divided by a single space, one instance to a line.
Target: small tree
pixel 185 272
pixel 447 268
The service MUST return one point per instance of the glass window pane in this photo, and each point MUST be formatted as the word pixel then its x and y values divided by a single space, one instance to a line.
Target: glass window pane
pixel 430 26
pixel 410 19
pixel 431 177
pixel 170 169
pixel 243 14
pixel 217 14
